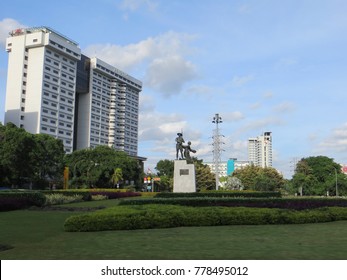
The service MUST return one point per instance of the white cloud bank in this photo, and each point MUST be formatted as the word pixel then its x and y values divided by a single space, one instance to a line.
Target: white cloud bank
pixel 161 60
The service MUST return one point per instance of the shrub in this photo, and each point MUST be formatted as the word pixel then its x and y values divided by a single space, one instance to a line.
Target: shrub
pixel 13 200
pixel 88 193
pixel 219 194
pixel 59 198
pixel 165 216
pixel 115 194
pixel 99 197
pixel 284 203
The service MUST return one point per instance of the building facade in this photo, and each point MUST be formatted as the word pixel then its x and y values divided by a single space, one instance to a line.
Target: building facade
pixel 227 168
pixel 108 107
pixel 260 150
pixel 54 89
pixel 40 90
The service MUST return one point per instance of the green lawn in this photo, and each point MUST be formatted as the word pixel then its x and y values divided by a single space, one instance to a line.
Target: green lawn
pixel 40 235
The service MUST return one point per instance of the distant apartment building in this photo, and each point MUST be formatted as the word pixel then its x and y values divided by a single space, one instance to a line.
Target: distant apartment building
pixel 54 89
pixel 260 150
pixel 227 168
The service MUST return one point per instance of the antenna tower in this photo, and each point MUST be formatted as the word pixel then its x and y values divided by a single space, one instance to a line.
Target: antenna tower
pixel 217 147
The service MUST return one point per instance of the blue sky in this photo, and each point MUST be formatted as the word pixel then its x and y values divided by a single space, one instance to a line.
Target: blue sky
pixel 278 66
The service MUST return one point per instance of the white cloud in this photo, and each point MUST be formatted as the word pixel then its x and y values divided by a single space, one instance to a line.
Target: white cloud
pixel 128 56
pixel 158 127
pixel 232 116
pixel 7 25
pixel 147 103
pixel 241 81
pixel 168 75
pixel 337 141
pixel 201 91
pixel 160 60
pixel 261 125
pixel 268 95
pixel 284 107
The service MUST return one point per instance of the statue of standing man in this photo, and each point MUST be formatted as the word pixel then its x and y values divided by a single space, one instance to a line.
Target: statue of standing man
pixel 179 145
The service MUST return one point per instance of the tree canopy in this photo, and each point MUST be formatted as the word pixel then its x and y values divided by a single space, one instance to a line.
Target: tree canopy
pixel 319 175
pixel 260 179
pixel 27 158
pixel 95 167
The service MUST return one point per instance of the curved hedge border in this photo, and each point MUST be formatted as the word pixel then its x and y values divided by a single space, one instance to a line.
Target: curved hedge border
pixel 166 216
pixel 286 203
pixel 87 194
pixel 220 194
pixel 13 200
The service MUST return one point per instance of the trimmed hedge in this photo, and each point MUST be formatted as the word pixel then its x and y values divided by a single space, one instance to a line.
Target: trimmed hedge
pixel 284 203
pixel 13 200
pixel 87 194
pixel 219 194
pixel 166 216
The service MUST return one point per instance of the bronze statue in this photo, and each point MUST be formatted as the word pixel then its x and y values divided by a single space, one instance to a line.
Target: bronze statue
pixel 187 150
pixel 184 150
pixel 179 145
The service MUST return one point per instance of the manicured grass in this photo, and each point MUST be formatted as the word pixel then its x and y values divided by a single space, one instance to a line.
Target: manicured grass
pixel 40 235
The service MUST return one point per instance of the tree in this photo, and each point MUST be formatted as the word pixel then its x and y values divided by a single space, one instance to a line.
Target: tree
pixel 165 168
pixel 316 176
pixel 48 156
pixel 16 161
pixel 205 179
pixel 259 178
pixel 233 183
pixel 117 176
pixel 94 167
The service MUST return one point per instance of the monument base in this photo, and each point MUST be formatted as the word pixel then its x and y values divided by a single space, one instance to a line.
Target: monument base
pixel 184 177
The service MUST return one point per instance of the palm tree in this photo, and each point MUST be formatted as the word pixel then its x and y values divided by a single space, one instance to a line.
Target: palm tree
pixel 117 176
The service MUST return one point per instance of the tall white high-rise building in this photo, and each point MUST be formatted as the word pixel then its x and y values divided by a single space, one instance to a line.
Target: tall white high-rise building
pixel 40 93
pixel 260 150
pixel 108 107
pixel 53 89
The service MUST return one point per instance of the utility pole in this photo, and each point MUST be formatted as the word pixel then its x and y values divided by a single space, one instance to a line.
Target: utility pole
pixel 216 147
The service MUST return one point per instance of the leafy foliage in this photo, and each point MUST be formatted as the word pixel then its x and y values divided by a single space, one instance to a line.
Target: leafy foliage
pixel 165 168
pixel 317 176
pixel 13 200
pixel 259 178
pixel 28 158
pixel 96 167
pixel 220 194
pixel 286 203
pixel 165 216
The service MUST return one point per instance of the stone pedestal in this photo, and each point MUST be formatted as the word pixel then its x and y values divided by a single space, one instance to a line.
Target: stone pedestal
pixel 184 177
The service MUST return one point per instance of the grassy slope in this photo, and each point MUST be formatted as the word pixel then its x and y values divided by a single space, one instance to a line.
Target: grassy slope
pixel 40 235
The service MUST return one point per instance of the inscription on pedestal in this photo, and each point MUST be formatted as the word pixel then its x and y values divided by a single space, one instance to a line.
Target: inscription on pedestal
pixel 184 172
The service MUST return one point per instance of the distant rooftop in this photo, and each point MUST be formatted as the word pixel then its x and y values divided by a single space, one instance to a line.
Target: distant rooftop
pixel 21 31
